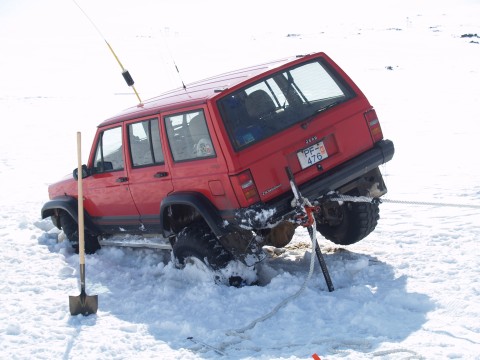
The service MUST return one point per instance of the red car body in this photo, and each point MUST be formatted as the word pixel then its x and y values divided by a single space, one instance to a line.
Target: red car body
pixel 320 125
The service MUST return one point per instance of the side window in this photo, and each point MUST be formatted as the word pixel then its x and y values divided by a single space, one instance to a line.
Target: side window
pixel 109 151
pixel 188 136
pixel 145 143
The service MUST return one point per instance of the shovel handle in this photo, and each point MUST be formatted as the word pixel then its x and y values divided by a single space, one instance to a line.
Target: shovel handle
pixel 82 304
pixel 81 230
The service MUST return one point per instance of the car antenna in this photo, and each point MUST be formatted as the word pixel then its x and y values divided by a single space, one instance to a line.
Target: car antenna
pixel 180 76
pixel 175 64
pixel 126 75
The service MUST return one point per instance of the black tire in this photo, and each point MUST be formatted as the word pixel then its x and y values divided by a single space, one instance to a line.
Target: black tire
pixel 355 220
pixel 197 240
pixel 70 228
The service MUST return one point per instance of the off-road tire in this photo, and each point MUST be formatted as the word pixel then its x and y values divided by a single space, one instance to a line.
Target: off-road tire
pixel 356 221
pixel 70 228
pixel 197 240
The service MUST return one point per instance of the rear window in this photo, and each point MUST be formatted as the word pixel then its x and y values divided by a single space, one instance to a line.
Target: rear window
pixel 275 103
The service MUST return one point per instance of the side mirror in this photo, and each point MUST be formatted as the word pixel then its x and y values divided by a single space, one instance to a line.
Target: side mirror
pixel 102 166
pixel 85 172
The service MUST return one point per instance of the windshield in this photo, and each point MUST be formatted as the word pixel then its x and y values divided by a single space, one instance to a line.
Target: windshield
pixel 289 97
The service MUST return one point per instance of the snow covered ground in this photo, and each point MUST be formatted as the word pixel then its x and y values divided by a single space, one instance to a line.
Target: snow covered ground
pixel 410 290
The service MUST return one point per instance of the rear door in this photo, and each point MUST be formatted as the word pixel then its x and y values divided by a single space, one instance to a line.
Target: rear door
pixel 149 175
pixel 197 161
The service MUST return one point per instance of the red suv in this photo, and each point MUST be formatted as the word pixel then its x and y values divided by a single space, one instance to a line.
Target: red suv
pixel 204 166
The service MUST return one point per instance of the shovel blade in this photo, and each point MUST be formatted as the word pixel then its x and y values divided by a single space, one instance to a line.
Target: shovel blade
pixel 83 304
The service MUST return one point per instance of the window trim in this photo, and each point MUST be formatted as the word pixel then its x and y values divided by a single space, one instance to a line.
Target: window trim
pixel 149 137
pixel 98 143
pixel 165 119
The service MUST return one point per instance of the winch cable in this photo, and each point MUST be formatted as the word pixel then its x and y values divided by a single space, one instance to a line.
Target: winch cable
pixel 340 197
pixel 426 203
pixel 126 75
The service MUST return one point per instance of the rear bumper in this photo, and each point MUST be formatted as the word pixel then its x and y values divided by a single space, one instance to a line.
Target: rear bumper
pixel 277 209
pixel 343 174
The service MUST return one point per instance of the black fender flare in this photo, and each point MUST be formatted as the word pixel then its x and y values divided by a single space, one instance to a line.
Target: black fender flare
pixel 201 204
pixel 68 204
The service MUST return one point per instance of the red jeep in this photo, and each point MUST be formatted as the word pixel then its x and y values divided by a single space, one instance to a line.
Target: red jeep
pixel 204 166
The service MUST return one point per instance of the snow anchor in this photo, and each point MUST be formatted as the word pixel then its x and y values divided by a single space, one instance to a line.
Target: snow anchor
pixel 304 217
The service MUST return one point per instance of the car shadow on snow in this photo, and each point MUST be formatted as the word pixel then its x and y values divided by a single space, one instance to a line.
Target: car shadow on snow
pixel 187 310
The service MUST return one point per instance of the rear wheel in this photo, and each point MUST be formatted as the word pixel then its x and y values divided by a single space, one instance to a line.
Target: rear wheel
pixel 348 223
pixel 70 228
pixel 198 241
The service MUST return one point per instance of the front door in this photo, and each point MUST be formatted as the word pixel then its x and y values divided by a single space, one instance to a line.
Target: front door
pixel 107 194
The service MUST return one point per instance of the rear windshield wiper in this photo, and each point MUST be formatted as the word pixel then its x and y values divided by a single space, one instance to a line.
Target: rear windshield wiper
pixel 309 119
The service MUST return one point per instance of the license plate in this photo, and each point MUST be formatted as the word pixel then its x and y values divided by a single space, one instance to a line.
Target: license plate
pixel 312 155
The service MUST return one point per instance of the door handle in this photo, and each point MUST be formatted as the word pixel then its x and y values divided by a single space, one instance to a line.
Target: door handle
pixel 122 179
pixel 160 174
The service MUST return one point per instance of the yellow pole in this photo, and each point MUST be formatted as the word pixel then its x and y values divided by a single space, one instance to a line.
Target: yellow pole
pixel 123 70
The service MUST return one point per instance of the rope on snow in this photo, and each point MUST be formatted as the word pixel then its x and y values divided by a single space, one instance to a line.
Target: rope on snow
pixel 284 302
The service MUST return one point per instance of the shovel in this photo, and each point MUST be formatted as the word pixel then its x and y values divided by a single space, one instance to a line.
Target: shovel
pixel 83 303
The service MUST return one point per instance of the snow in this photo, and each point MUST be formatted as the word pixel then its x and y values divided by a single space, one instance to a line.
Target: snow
pixel 410 290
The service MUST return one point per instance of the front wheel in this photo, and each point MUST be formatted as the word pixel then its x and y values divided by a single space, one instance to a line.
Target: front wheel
pixel 348 223
pixel 70 228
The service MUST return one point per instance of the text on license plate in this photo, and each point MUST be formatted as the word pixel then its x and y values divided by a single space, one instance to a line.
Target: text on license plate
pixel 312 155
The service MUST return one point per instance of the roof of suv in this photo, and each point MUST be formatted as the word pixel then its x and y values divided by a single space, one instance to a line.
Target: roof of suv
pixel 197 92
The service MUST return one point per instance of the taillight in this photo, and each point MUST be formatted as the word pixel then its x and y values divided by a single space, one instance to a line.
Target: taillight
pixel 244 183
pixel 374 125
